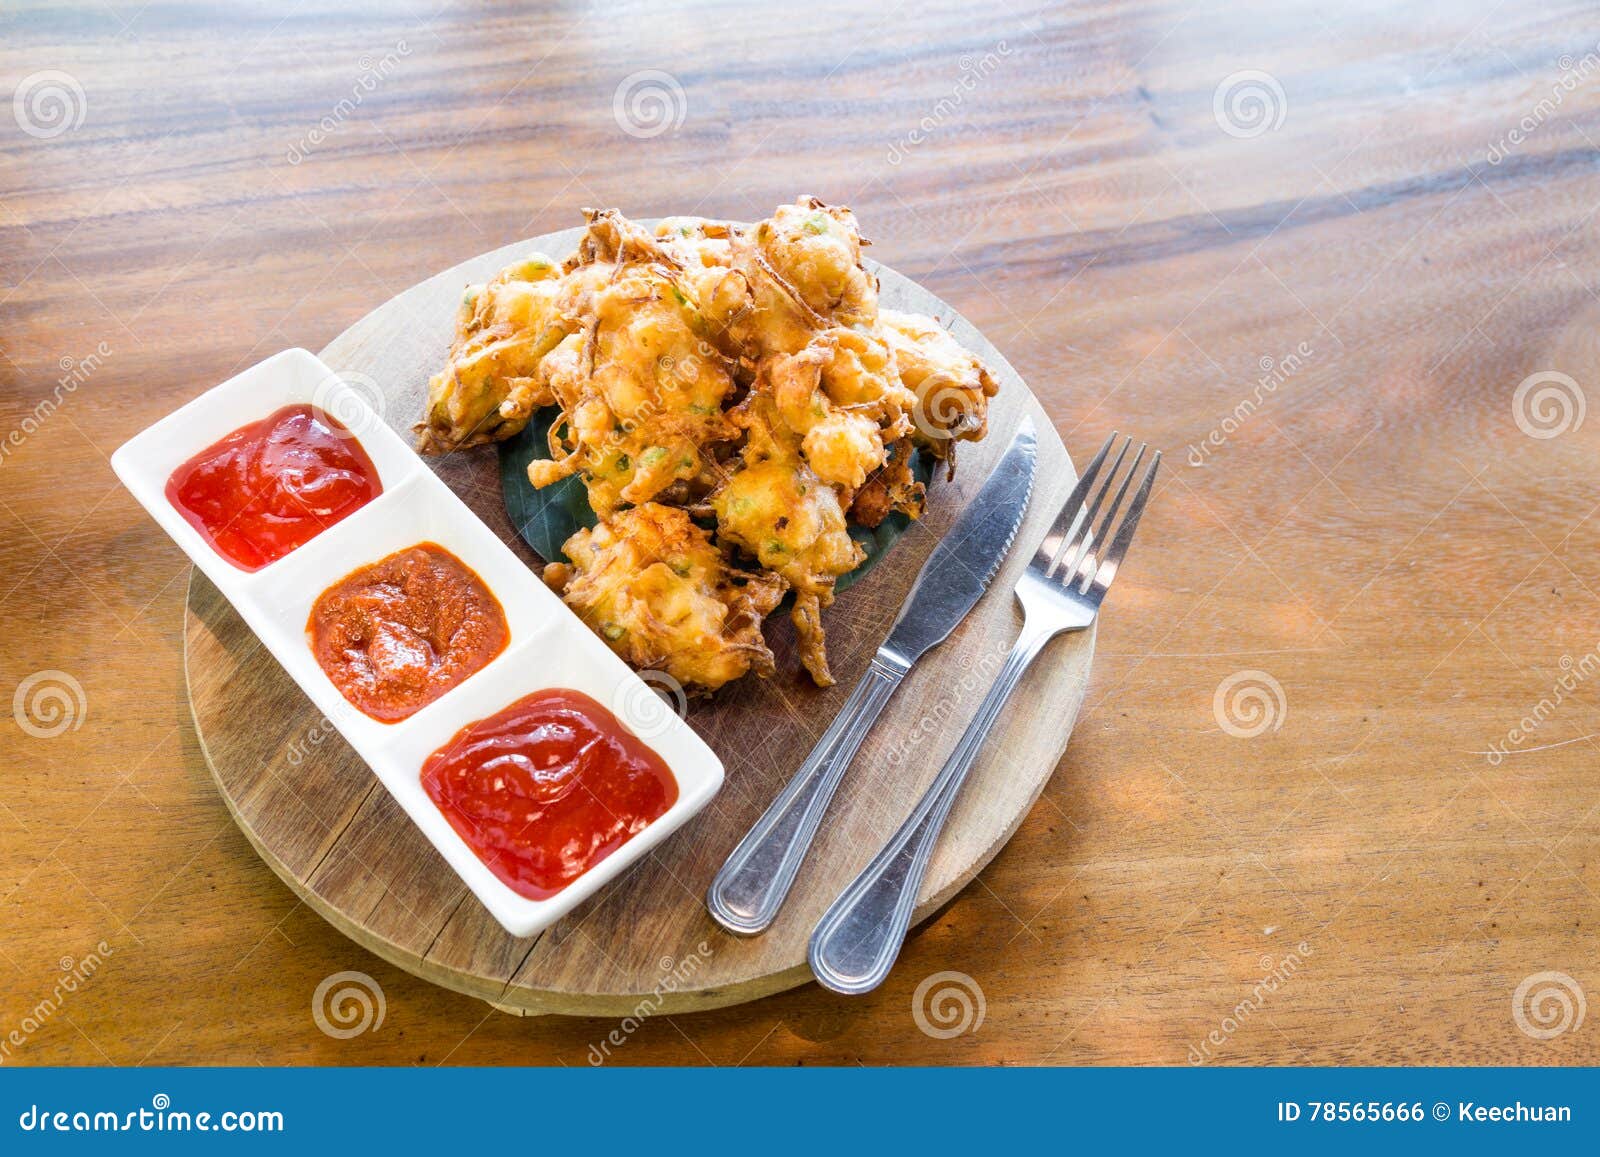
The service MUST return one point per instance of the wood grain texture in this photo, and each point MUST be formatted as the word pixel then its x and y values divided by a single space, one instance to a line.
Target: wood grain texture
pixel 313 810
pixel 1378 534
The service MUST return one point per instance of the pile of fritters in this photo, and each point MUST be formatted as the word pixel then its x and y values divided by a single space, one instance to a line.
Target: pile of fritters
pixel 709 374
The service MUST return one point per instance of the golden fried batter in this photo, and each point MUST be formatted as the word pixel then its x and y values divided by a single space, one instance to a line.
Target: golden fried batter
pixel 842 395
pixel 696 242
pixel 649 582
pixel 776 508
pixel 793 275
pixel 641 394
pixel 951 385
pixel 492 382
pixel 889 489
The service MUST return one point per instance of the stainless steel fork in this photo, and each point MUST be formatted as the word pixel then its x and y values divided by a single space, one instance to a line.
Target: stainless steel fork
pixel 856 942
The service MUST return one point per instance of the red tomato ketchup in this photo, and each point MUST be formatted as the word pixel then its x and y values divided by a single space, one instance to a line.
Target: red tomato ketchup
pixel 396 634
pixel 274 485
pixel 547 788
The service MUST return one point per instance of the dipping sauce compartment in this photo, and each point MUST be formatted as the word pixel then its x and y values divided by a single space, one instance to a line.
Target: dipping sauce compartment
pixel 273 485
pixel 566 660
pixel 547 648
pixel 396 634
pixel 546 788
pixel 420 510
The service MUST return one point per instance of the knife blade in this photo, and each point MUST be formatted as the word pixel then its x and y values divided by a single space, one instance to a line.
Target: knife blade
pixel 753 883
pixel 963 563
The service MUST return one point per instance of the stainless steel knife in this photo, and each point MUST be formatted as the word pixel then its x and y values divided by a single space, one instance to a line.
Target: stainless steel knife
pixel 751 887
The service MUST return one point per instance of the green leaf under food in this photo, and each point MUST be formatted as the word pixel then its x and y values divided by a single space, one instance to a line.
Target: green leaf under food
pixel 547 518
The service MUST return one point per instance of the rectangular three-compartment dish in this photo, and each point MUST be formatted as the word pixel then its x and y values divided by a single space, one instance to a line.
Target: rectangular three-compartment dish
pixel 310 597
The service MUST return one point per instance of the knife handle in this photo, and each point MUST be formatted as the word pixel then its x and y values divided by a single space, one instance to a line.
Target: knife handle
pixel 751 887
pixel 857 940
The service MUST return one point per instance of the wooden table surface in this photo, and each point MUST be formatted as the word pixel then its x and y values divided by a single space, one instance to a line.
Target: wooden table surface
pixel 1332 795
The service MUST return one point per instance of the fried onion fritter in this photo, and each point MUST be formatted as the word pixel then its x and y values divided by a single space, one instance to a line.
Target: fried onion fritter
pixel 651 584
pixel 641 395
pixel 492 382
pixel 777 509
pixel 843 396
pixel 951 385
pixel 793 275
pixel 710 369
pixel 613 240
pixel 891 489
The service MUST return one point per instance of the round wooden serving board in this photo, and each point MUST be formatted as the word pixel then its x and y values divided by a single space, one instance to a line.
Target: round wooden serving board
pixel 317 815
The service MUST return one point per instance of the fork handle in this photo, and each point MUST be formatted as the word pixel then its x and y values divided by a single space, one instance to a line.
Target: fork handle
pixel 855 944
pixel 753 883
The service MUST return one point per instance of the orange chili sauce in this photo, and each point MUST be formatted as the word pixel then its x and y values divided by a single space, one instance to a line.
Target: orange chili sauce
pixel 395 635
pixel 547 788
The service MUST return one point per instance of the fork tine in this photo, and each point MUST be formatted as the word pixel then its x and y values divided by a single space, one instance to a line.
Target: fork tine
pixel 1107 570
pixel 1103 534
pixel 1077 549
pixel 1051 546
